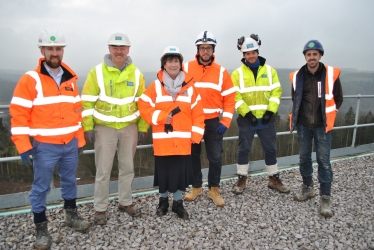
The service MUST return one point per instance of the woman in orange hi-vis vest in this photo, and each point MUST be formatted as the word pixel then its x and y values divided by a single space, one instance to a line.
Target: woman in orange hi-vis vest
pixel 172 105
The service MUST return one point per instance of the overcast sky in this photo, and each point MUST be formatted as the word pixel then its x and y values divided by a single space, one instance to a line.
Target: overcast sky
pixel 345 28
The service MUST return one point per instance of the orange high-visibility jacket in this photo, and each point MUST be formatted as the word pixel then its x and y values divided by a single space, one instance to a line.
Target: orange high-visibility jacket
pixel 330 106
pixel 216 89
pixel 155 104
pixel 41 109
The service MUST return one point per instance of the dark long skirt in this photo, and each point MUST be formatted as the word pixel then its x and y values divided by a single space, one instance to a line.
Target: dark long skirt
pixel 172 173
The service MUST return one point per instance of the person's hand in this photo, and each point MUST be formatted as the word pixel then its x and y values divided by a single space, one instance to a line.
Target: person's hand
pixel 221 129
pixel 252 119
pixel 142 136
pixel 27 161
pixel 267 116
pixel 89 136
pixel 80 150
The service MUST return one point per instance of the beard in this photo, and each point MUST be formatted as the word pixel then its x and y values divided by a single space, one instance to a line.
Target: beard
pixel 53 64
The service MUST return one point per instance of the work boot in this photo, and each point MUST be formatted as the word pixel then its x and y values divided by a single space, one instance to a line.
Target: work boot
pixel 216 197
pixel 179 210
pixel 73 220
pixel 43 239
pixel 306 193
pixel 163 206
pixel 100 218
pixel 276 183
pixel 193 193
pixel 130 210
pixel 325 206
pixel 240 184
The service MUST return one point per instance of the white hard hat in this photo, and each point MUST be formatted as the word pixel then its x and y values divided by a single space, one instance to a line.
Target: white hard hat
pixel 249 43
pixel 171 50
pixel 51 37
pixel 119 39
pixel 205 37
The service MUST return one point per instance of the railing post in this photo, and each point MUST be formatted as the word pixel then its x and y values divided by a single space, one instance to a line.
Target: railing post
pixel 356 121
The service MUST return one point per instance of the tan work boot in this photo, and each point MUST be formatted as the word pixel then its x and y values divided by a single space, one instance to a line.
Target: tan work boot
pixel 240 184
pixel 100 218
pixel 216 197
pixel 193 193
pixel 276 183
pixel 325 206
pixel 43 239
pixel 73 220
pixel 130 210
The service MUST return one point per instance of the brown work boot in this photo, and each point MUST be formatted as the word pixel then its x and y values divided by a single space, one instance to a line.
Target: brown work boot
pixel 130 210
pixel 276 183
pixel 240 184
pixel 43 239
pixel 193 193
pixel 216 197
pixel 100 218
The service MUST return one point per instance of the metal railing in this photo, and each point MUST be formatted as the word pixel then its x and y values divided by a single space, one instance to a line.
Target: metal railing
pixel 20 199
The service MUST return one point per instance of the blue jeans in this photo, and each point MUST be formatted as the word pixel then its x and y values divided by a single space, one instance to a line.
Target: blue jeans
pixel 46 157
pixel 213 147
pixel 267 138
pixel 322 143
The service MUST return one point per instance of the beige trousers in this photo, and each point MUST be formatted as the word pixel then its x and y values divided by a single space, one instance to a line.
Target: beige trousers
pixel 107 141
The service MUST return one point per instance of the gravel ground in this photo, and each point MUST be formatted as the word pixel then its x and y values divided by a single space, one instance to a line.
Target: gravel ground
pixel 261 218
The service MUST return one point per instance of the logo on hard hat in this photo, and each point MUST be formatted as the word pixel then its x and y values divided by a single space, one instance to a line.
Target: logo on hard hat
pixel 173 49
pixel 250 45
pixel 52 38
pixel 118 38
pixel 311 45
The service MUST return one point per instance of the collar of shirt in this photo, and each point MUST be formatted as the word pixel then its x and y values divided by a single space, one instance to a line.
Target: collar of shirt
pixel 57 77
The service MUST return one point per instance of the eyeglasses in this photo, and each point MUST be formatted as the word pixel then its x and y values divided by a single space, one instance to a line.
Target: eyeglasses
pixel 208 49
pixel 118 48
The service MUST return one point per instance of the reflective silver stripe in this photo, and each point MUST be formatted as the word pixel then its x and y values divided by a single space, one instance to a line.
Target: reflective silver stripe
pixel 198 98
pixel 87 112
pixel 241 79
pixel 330 108
pixel 294 80
pixel 185 67
pixel 112 100
pixel 20 130
pixel 110 118
pixel 174 134
pixel 38 85
pixel 159 96
pixel 228 91
pixel 227 114
pixel 274 99
pixel 197 130
pixel 208 85
pixel 254 89
pixel 146 98
pixel 270 75
pixel 155 116
pixel 238 103
pixel 90 98
pixel 211 111
pixel 21 102
pixel 258 107
pixel 53 131
pixel 330 82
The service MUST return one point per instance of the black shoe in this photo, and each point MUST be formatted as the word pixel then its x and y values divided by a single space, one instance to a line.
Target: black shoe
pixel 179 210
pixel 163 206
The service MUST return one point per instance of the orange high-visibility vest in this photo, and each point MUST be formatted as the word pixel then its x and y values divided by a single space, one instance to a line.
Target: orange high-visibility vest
pixel 41 109
pixel 331 75
pixel 155 104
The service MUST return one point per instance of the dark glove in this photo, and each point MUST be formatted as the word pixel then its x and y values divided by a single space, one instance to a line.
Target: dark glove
pixel 175 111
pixel 89 136
pixel 142 136
pixel 221 129
pixel 252 119
pixel 267 116
pixel 80 150
pixel 26 158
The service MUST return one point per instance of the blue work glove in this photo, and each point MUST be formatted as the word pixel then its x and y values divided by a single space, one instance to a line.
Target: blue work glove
pixel 89 136
pixel 26 158
pixel 142 136
pixel 80 150
pixel 221 129
pixel 252 119
pixel 267 116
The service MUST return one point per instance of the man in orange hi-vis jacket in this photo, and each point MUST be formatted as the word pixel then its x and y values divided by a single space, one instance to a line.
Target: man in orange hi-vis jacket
pixel 217 93
pixel 46 105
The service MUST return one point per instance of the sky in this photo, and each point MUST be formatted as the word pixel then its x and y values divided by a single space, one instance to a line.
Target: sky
pixel 344 27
